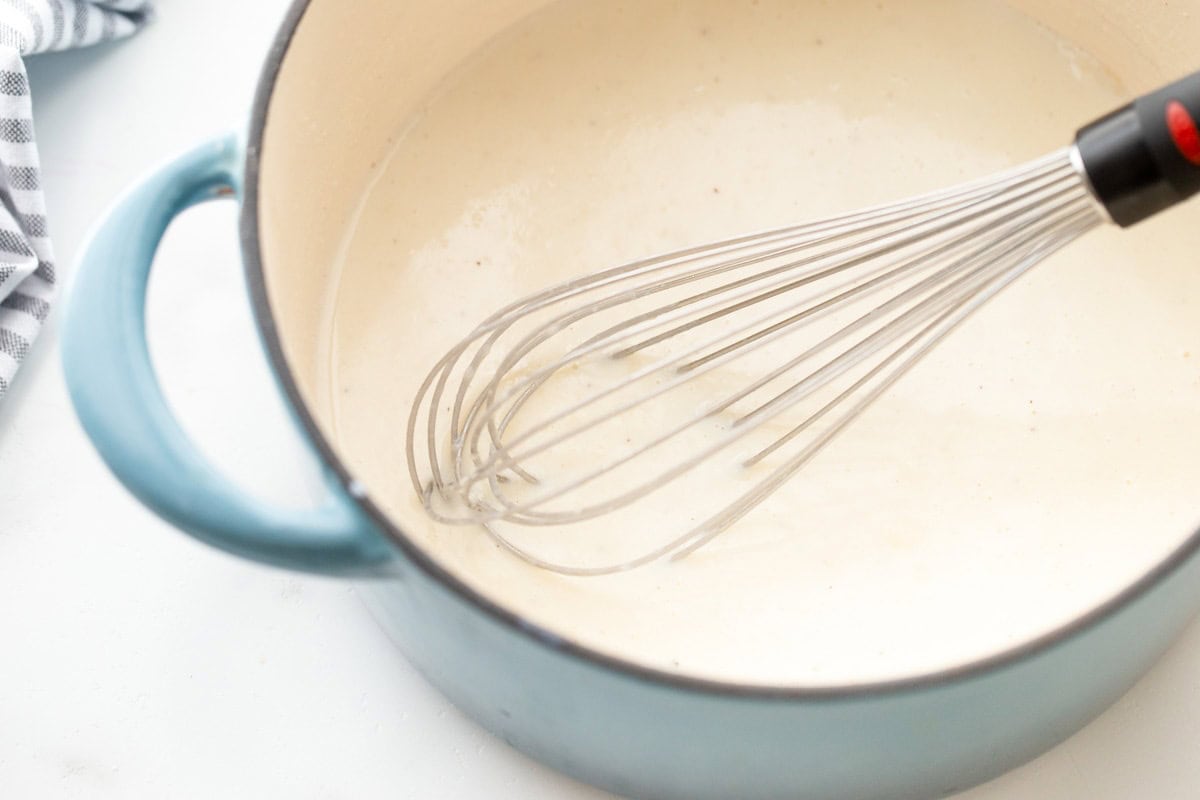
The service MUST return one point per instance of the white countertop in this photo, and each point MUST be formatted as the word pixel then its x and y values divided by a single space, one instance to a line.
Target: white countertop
pixel 139 664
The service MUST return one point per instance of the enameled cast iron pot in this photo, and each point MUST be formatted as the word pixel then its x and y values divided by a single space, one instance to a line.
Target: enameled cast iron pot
pixel 323 112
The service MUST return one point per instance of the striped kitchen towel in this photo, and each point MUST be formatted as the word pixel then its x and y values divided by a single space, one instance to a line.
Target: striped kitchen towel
pixel 26 259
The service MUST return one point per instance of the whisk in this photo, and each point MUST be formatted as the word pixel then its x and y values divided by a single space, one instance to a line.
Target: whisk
pixel 686 388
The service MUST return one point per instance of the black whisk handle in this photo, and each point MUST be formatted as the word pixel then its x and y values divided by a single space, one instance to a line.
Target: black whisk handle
pixel 1145 157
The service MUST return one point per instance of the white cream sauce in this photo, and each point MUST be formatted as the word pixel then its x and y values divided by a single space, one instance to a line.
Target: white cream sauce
pixel 1033 466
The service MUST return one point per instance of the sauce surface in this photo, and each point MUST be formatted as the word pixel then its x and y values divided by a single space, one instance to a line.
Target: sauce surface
pixel 1034 465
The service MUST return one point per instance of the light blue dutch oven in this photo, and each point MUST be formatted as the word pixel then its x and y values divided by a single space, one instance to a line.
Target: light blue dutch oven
pixel 631 730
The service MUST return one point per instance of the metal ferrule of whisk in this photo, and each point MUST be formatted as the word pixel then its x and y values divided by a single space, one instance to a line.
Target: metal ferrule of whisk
pixel 707 378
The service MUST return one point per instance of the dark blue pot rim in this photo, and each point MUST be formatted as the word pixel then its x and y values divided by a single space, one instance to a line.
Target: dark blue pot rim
pixel 256 282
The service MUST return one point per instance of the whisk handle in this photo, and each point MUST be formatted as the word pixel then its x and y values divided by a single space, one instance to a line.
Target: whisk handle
pixel 1145 157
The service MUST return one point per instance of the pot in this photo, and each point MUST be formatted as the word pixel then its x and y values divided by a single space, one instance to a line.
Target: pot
pixel 615 724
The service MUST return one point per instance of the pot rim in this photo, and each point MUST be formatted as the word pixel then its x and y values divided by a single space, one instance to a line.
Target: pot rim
pixel 256 283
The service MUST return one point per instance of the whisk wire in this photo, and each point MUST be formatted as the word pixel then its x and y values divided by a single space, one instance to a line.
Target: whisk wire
pixel 527 385
pixel 894 302
pixel 933 260
pixel 830 370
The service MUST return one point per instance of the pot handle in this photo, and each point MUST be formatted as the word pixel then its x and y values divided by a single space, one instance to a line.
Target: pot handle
pixel 118 399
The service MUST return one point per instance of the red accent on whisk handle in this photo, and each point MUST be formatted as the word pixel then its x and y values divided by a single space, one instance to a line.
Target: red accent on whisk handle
pixel 1145 157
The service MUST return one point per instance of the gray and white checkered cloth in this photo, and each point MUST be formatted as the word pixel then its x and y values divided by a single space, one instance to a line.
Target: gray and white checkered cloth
pixel 26 259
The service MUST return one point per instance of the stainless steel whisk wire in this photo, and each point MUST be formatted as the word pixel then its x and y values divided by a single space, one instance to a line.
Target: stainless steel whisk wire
pixel 973 241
